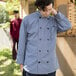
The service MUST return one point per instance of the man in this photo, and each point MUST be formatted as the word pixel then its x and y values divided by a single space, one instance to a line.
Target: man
pixel 37 40
pixel 14 32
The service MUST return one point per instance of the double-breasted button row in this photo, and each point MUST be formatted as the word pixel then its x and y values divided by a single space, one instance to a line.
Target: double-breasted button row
pixel 47 28
pixel 48 39
pixel 41 39
pixel 41 50
pixel 40 62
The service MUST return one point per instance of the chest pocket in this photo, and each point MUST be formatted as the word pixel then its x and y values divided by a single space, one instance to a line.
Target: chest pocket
pixel 53 28
pixel 52 31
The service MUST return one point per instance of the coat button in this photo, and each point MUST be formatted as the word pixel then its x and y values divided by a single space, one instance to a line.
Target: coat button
pixel 40 39
pixel 47 50
pixel 48 28
pixel 48 39
pixel 39 50
pixel 47 18
pixel 40 27
pixel 40 17
pixel 39 62
pixel 47 62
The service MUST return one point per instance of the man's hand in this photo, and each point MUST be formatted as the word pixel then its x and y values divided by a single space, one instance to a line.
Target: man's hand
pixel 54 12
pixel 21 67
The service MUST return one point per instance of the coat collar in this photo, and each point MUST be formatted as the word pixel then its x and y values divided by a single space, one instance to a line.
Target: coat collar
pixel 40 16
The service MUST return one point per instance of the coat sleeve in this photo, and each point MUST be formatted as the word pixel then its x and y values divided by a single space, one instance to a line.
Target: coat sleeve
pixel 22 42
pixel 62 22
pixel 10 28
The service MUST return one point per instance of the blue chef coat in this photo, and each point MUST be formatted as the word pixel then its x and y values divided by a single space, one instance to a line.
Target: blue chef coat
pixel 37 42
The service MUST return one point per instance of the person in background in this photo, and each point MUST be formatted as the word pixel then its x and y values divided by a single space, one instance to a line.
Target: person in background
pixel 14 32
pixel 37 40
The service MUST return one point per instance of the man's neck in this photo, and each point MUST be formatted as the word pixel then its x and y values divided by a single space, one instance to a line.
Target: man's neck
pixel 42 14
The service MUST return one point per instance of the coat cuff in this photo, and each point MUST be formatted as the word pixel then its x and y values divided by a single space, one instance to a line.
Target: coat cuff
pixel 59 16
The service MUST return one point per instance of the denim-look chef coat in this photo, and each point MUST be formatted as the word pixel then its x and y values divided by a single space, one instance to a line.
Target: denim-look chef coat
pixel 37 42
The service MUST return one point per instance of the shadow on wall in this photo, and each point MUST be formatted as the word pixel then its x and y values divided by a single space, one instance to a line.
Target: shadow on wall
pixel 66 52
pixel 64 66
pixel 72 43
pixel 63 9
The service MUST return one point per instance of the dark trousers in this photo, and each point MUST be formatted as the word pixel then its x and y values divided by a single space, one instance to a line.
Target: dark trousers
pixel 14 49
pixel 28 74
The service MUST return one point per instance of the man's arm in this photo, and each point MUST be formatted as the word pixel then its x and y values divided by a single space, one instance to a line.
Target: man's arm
pixel 11 29
pixel 22 43
pixel 61 21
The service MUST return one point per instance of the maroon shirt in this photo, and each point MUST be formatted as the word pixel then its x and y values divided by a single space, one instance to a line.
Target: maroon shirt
pixel 14 28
